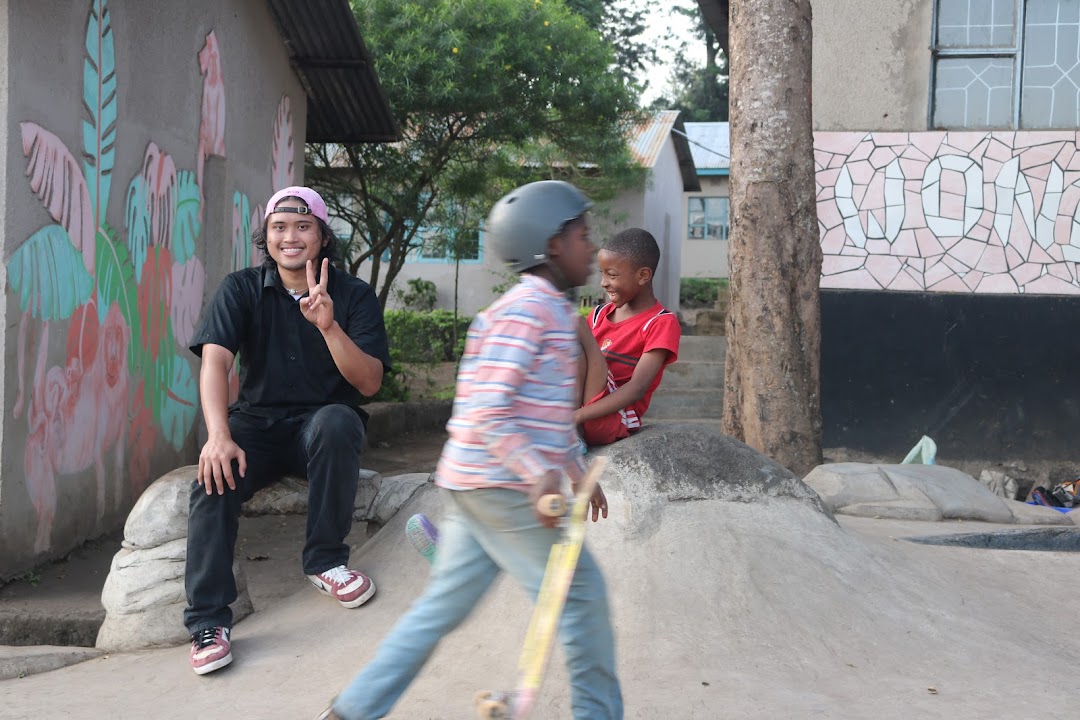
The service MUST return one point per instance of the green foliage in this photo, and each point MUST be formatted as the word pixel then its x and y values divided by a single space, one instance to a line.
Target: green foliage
pixel 488 94
pixel 426 337
pixel 700 292
pixel 421 295
pixel 30 576
pixel 622 26
pixel 395 384
pixel 699 92
pixel 418 338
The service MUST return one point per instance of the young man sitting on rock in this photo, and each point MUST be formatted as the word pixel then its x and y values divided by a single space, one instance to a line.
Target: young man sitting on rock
pixel 311 342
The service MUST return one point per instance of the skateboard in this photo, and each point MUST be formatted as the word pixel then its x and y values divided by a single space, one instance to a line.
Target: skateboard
pixel 423 535
pixel 544 623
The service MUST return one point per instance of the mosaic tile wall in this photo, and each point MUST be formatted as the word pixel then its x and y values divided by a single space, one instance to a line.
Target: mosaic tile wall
pixel 961 212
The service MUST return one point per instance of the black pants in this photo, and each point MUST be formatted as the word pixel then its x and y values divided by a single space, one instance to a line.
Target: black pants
pixel 325 446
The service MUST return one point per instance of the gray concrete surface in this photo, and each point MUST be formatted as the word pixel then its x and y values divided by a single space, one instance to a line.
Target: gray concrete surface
pixel 762 608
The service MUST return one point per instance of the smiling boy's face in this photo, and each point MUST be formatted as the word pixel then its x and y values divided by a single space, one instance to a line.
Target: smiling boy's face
pixel 619 278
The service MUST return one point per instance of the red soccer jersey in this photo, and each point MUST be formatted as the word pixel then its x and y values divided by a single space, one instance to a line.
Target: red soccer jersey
pixel 623 343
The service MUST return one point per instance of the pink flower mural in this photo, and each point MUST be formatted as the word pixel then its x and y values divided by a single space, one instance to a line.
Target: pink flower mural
pixel 967 212
pixel 212 120
pixel 129 299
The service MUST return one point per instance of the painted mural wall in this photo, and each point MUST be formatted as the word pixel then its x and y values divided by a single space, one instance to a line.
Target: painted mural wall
pixel 961 212
pixel 106 292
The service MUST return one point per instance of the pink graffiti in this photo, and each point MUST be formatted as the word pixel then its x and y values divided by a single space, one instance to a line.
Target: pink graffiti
pixel 212 122
pixel 188 281
pixel 77 412
pixel 57 180
pixel 159 172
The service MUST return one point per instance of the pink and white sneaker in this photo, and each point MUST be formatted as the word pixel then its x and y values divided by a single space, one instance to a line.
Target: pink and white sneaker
pixel 348 587
pixel 210 649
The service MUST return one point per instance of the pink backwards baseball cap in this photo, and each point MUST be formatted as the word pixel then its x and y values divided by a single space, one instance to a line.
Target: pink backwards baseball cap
pixel 315 204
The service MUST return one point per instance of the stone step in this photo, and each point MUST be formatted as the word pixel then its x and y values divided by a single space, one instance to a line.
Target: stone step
pixel 702 348
pixel 715 422
pixel 675 403
pixel 695 375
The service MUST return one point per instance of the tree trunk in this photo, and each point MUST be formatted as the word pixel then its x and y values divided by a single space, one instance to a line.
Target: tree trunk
pixel 772 375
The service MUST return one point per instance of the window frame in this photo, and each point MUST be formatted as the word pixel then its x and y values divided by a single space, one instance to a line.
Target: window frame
pixel 418 256
pixel 705 214
pixel 1015 53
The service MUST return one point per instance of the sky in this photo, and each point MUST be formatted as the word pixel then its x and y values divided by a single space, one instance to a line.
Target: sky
pixel 660 19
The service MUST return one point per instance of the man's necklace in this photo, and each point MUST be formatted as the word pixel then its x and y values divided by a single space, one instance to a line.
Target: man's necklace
pixel 301 291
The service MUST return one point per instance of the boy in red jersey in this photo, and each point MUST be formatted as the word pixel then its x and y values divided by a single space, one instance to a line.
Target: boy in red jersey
pixel 627 342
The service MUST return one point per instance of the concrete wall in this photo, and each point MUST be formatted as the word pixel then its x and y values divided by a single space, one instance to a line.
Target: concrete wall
pixel 5 132
pixel 704 257
pixel 871 64
pixel 119 224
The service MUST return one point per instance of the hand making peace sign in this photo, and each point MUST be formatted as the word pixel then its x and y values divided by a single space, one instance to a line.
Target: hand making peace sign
pixel 317 306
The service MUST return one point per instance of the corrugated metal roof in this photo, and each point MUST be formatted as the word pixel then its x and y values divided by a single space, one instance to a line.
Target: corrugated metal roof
pixel 346 103
pixel 647 138
pixel 649 135
pixel 710 144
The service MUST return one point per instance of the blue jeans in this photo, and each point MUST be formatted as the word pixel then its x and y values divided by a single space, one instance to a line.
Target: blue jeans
pixel 487 531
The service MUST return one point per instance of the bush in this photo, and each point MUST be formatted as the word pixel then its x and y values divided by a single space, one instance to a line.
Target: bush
pixel 421 295
pixel 395 384
pixel 425 337
pixel 700 292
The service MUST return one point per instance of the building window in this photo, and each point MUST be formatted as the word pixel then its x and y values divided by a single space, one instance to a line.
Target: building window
pixel 439 246
pixel 1006 64
pixel 707 218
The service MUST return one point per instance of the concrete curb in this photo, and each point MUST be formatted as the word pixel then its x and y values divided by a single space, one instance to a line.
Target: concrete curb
pixel 390 420
pixel 18 662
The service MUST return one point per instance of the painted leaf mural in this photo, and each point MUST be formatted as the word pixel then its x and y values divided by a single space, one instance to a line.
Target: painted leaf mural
pixel 281 172
pixel 186 225
pixel 241 231
pixel 141 442
pixel 154 295
pixel 179 401
pixel 256 221
pixel 188 282
pixel 48 276
pixel 116 284
pixel 159 173
pixel 137 223
pixel 57 181
pixel 99 98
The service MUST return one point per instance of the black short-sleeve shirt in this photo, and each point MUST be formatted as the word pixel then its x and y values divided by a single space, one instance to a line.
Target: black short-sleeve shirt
pixel 285 366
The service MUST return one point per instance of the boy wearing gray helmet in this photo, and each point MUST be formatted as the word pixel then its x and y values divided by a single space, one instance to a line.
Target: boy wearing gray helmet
pixel 512 439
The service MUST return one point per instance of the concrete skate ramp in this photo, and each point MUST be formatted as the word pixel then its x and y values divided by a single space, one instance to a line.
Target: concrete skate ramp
pixel 734 595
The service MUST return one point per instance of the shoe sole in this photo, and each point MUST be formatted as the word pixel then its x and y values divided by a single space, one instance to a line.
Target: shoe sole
pixel 216 665
pixel 423 536
pixel 350 603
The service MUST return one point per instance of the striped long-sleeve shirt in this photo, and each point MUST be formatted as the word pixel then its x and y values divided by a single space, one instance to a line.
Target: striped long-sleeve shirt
pixel 513 410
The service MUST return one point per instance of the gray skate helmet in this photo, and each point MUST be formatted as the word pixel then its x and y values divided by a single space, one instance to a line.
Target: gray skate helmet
pixel 522 222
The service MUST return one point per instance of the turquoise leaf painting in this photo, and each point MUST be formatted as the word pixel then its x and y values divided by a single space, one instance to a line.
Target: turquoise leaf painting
pixel 138 224
pixel 48 276
pixel 241 231
pixel 179 401
pixel 186 224
pixel 99 97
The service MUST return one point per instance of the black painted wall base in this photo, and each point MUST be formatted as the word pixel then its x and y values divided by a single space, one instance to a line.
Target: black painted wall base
pixel 984 376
